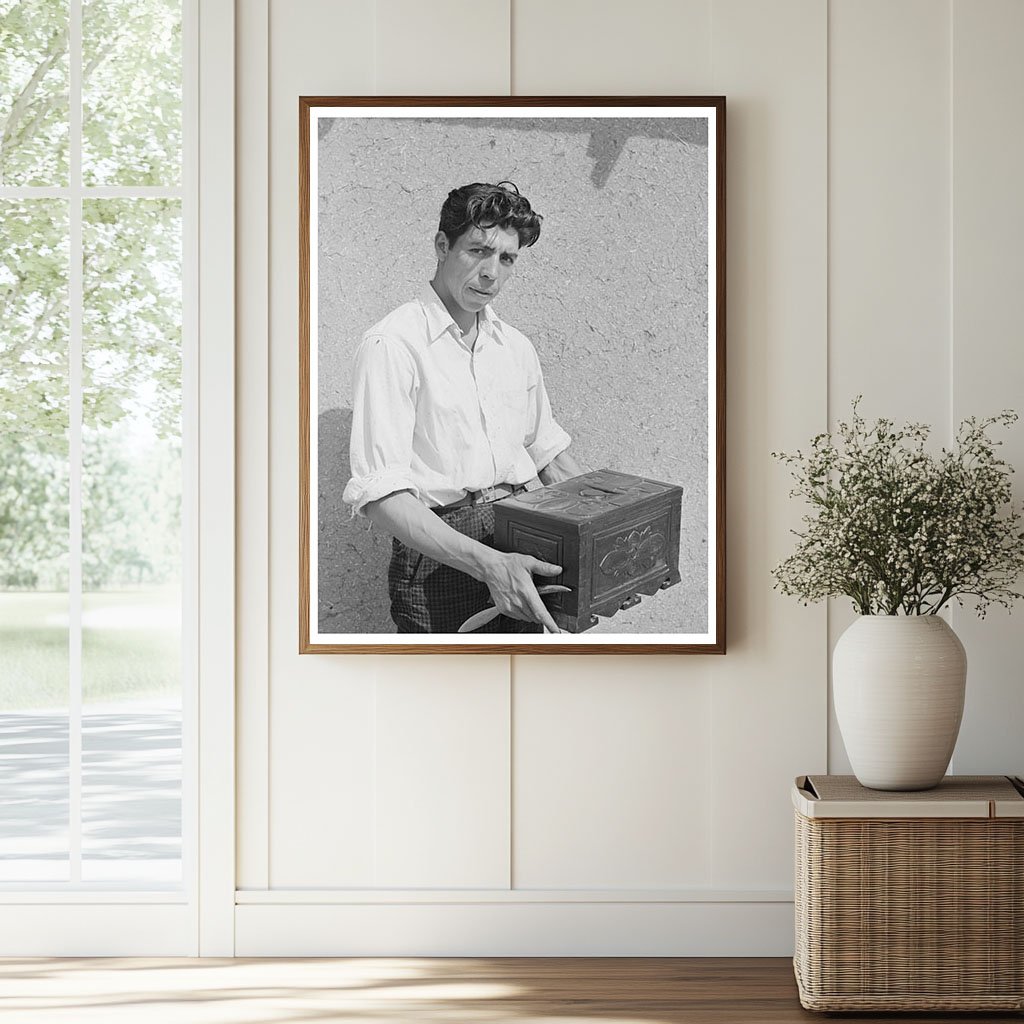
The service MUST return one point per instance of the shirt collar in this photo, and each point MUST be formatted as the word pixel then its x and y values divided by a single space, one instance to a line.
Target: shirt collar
pixel 439 320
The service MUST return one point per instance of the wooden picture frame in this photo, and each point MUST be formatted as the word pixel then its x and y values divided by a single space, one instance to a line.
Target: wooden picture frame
pixel 622 299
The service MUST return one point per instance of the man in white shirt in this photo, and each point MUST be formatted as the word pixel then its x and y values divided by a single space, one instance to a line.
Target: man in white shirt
pixel 450 414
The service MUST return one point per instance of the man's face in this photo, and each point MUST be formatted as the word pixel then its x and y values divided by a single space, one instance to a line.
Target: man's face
pixel 473 270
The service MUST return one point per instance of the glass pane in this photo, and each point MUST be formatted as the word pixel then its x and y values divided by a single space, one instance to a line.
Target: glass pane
pixel 131 92
pixel 34 92
pixel 131 745
pixel 131 541
pixel 33 540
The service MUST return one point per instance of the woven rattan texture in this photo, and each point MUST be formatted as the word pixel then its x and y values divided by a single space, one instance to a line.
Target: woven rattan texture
pixel 958 787
pixel 915 914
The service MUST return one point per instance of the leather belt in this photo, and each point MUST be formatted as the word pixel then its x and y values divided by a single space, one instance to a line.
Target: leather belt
pixel 484 497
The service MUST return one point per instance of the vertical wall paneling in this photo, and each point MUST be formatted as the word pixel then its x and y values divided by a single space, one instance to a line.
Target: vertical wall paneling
pixel 444 48
pixel 611 756
pixel 988 334
pixel 769 693
pixel 888 331
pixel 442 775
pixel 888 215
pixel 442 726
pixel 889 201
pixel 321 708
pixel 253 463
pixel 871 248
pixel 576 47
pixel 612 783
pixel 323 781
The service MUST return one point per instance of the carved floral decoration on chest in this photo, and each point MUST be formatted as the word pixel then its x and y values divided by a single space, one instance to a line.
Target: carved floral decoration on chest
pixel 634 553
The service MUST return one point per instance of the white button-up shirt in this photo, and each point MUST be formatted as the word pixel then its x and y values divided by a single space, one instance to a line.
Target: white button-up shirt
pixel 433 416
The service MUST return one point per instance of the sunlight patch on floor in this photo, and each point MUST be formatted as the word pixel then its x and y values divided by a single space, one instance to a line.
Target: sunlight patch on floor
pixel 301 991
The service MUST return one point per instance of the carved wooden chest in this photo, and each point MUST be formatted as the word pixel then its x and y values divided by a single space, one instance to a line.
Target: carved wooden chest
pixel 615 536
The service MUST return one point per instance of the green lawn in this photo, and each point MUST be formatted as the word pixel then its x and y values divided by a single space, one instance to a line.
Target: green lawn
pixel 130 647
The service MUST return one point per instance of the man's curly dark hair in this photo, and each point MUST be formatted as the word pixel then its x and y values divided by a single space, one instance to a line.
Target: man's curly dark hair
pixel 487 206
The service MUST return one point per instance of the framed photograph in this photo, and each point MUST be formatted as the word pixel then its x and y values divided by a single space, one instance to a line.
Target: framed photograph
pixel 512 375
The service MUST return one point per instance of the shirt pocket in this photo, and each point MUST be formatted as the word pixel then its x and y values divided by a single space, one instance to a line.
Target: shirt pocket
pixel 512 403
pixel 513 400
pixel 505 400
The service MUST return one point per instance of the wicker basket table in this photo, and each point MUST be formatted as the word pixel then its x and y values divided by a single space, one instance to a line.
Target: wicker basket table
pixel 910 901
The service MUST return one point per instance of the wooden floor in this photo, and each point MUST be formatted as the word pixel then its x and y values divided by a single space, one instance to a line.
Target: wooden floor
pixel 413 991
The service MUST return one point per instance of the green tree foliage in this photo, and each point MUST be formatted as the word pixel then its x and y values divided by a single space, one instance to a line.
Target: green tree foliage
pixel 33 515
pixel 131 92
pixel 34 322
pixel 131 508
pixel 33 92
pixel 131 302
pixel 132 313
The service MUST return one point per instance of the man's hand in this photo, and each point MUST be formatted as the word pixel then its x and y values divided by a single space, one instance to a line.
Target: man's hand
pixel 509 578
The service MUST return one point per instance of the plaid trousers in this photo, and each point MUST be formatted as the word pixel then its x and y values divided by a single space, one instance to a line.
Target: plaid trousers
pixel 430 597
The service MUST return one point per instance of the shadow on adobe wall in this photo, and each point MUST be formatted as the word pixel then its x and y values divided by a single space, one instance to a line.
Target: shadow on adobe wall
pixel 353 558
pixel 607 140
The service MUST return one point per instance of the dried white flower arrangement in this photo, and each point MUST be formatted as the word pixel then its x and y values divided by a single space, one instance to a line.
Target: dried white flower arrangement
pixel 899 530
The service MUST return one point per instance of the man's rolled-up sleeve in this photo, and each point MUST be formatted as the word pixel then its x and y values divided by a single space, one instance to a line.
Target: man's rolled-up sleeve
pixel 383 421
pixel 545 438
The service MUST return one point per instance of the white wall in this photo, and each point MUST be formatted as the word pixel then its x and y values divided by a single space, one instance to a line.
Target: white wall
pixel 626 805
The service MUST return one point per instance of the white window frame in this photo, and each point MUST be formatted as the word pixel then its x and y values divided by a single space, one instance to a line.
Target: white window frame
pixel 62 919
pixel 216 392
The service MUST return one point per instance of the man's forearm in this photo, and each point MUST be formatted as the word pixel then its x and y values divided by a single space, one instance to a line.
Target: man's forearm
pixel 562 467
pixel 508 576
pixel 407 518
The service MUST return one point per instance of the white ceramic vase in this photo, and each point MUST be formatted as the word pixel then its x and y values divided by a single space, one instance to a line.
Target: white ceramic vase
pixel 898 683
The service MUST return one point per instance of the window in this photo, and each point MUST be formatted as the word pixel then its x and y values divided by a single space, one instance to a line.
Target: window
pixel 95 457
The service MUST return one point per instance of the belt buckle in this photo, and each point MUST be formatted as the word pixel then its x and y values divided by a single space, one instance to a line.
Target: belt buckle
pixel 488 494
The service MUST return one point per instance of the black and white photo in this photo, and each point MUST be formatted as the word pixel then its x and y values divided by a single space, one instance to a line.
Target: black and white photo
pixel 511 356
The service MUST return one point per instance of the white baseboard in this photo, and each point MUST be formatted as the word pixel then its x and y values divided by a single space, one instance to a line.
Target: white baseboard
pixel 521 928
pixel 99 928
